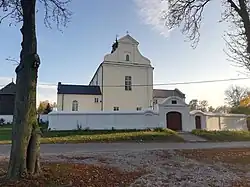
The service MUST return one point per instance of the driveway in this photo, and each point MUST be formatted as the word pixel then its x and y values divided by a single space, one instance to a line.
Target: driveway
pixel 48 149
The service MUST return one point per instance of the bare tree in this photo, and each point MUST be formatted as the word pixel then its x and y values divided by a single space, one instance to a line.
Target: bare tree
pixel 25 149
pixel 203 105
pixel 234 94
pixel 194 104
pixel 188 14
pixel 222 109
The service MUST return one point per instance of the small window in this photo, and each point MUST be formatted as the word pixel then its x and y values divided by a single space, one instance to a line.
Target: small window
pixel 116 108
pixel 96 100
pixel 128 83
pixel 127 57
pixel 138 108
pixel 155 101
pixel 75 105
pixel 174 102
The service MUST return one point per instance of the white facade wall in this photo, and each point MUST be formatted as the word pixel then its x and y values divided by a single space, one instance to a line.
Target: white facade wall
pixel 116 67
pixel 117 96
pixel 103 120
pixel 97 78
pixel 85 102
pixel 127 46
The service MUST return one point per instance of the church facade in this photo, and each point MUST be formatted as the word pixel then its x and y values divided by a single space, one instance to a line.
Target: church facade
pixel 122 82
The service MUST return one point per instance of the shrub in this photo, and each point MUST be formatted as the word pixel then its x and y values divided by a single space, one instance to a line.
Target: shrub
pixel 2 122
pixel 87 129
pixel 159 129
pixel 225 135
pixel 44 125
pixel 78 127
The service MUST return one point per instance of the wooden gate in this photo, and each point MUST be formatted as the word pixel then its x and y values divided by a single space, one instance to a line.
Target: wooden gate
pixel 174 121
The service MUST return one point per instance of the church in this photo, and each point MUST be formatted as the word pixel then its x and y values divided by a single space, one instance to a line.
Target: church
pixel 122 82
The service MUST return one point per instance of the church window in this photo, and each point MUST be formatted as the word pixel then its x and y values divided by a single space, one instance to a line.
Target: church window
pixel 128 83
pixel 116 108
pixel 174 102
pixel 75 105
pixel 96 100
pixel 127 57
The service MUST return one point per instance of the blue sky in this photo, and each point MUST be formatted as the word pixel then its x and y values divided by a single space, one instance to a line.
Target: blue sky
pixel 73 55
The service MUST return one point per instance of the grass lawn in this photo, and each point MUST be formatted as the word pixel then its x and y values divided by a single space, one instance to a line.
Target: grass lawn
pixel 223 136
pixel 84 136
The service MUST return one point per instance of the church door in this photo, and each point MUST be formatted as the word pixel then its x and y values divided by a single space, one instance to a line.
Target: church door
pixel 174 121
pixel 198 122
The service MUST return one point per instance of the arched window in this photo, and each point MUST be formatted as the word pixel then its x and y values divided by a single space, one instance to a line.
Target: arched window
pixel 127 57
pixel 75 105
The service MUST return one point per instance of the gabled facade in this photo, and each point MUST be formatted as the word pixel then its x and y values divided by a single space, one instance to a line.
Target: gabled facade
pixel 7 99
pixel 120 74
pixel 160 95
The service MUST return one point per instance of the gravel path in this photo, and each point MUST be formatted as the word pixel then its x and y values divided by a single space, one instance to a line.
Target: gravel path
pixel 113 147
pixel 164 168
pixel 163 165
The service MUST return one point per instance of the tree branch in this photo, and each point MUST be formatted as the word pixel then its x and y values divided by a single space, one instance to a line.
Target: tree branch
pixel 56 11
pixel 234 6
pixel 186 14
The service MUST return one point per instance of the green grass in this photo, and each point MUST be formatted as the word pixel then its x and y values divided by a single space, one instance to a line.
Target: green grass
pixel 223 136
pixel 84 136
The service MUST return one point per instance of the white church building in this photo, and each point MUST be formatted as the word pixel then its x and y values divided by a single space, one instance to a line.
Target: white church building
pixel 120 95
pixel 122 82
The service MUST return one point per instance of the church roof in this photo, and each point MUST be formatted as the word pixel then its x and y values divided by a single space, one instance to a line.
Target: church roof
pixel 78 89
pixel 160 93
pixel 9 89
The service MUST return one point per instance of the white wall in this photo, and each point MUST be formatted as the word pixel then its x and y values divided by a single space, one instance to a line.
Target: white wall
pixel 103 120
pixel 146 119
pixel 85 102
pixel 44 117
pixel 7 118
pixel 202 116
pixel 215 121
pixel 181 107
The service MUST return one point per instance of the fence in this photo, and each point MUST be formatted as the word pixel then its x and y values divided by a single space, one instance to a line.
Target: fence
pixel 7 118
pixel 103 120
pixel 139 120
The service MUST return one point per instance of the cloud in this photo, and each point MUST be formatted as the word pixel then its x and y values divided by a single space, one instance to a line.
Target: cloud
pixel 151 12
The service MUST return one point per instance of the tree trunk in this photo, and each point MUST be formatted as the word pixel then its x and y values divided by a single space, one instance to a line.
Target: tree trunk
pixel 25 149
pixel 244 13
